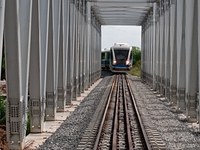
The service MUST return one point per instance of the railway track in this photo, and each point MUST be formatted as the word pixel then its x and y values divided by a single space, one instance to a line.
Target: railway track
pixel 117 124
pixel 121 126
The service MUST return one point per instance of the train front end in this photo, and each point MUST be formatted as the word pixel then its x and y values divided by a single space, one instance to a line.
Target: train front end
pixel 121 58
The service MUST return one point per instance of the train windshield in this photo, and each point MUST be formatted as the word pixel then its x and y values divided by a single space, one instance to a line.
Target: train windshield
pixel 103 55
pixel 121 54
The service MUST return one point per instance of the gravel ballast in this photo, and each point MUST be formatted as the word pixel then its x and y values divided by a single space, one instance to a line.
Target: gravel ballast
pixel 157 114
pixel 176 134
pixel 69 134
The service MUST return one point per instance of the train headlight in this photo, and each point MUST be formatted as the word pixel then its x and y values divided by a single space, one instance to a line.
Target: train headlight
pixel 114 62
pixel 127 62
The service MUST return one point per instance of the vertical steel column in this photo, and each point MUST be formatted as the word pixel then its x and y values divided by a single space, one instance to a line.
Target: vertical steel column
pixel 93 49
pixel 158 51
pixel 88 50
pixel 62 58
pixel 70 61
pixel 76 60
pixel 66 34
pixel 2 16
pixel 142 53
pixel 151 47
pixel 148 52
pixel 167 50
pixel 162 52
pixel 81 56
pixel 198 106
pixel 80 45
pixel 154 45
pixel 84 45
pixel 38 64
pixel 180 55
pixel 52 61
pixel 17 44
pixel 173 53
pixel 191 48
pixel 99 51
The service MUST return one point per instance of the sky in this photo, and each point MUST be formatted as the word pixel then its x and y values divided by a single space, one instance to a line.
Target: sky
pixel 120 34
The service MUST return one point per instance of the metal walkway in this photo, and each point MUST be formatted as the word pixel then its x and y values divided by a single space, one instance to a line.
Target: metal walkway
pixel 53 47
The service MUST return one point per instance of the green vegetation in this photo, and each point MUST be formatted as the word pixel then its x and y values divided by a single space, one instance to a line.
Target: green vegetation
pixel 2 110
pixel 28 129
pixel 136 71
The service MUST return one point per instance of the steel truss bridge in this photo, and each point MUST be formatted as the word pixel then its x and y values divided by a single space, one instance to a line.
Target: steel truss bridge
pixel 52 50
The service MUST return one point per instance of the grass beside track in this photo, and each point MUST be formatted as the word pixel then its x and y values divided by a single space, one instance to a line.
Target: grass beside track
pixel 136 69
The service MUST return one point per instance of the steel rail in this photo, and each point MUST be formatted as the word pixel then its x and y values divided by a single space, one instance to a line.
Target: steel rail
pixel 128 130
pixel 104 115
pixel 148 146
pixel 115 125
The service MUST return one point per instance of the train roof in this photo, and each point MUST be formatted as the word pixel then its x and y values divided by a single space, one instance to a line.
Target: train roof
pixel 121 46
pixel 105 50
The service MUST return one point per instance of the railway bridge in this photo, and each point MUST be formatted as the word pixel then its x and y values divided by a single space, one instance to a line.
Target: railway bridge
pixel 52 50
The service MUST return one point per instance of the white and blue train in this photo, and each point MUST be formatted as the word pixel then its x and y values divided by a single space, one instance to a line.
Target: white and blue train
pixel 120 58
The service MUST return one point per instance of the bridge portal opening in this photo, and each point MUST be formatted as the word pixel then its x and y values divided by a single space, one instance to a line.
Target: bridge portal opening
pixel 111 34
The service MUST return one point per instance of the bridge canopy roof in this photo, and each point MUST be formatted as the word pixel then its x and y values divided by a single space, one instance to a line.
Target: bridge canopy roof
pixel 121 12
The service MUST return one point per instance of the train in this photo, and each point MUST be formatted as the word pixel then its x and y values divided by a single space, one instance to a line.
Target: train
pixel 119 58
pixel 105 59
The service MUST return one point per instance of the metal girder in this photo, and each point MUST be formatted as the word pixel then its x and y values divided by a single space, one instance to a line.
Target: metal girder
pixel 133 10
pixel 167 54
pixel 191 49
pixel 52 60
pixel 38 61
pixel 17 44
pixel 198 99
pixel 70 61
pixel 2 15
pixel 173 56
pixel 180 40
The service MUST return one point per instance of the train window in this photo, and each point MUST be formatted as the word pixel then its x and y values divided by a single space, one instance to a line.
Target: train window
pixel 131 56
pixel 121 54
pixel 111 55
pixel 103 55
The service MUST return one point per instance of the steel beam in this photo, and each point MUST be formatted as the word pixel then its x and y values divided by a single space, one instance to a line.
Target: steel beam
pixel 66 38
pixel 154 46
pixel 180 43
pixel 84 83
pixel 62 58
pixel 38 64
pixel 70 61
pixel 76 52
pixel 88 49
pixel 158 55
pixel 162 53
pixel 191 49
pixel 173 55
pixel 52 60
pixel 17 44
pixel 198 100
pixel 2 16
pixel 167 51
pixel 82 48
